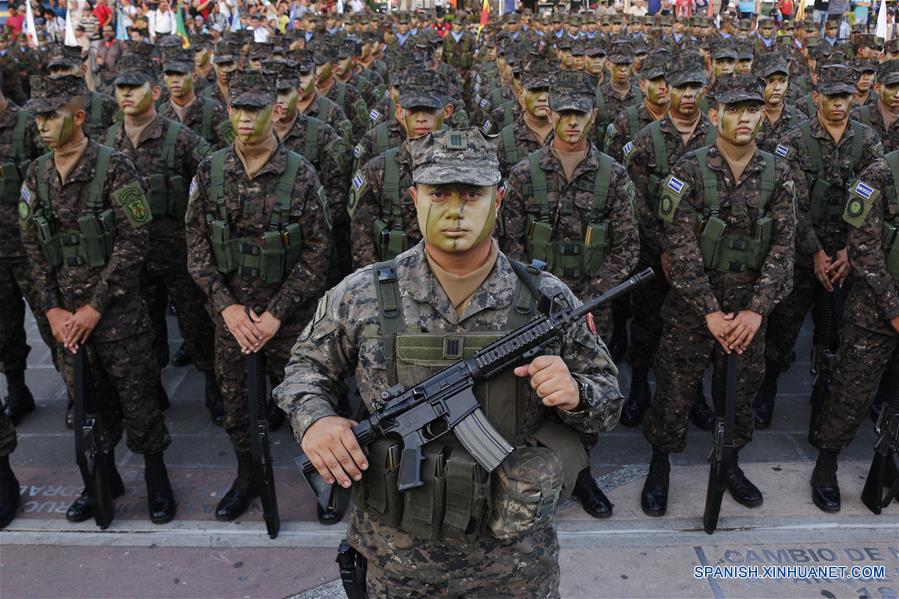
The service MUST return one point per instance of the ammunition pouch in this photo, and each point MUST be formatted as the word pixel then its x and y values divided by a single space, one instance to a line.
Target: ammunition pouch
pixel 827 202
pixel 734 253
pixel 568 259
pixel 269 259
pixel 10 182
pixel 91 245
pixel 389 243
pixel 167 196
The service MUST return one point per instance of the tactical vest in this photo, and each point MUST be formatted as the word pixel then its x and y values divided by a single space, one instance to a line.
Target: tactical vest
pixel 662 168
pixel 510 148
pixel 269 257
pixel 828 200
pixel 862 197
pixel 96 111
pixel 459 54
pixel 599 102
pixel 389 235
pixel 311 142
pixel 168 194
pixel 91 245
pixel 382 138
pixel 569 259
pixel 14 164
pixel 633 120
pixel 730 252
pixel 459 500
pixel 864 115
pixel 360 113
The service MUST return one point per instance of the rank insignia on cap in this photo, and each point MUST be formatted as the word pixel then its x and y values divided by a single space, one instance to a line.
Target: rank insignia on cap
pixel 675 184
pixel 373 115
pixel 782 151
pixel 863 189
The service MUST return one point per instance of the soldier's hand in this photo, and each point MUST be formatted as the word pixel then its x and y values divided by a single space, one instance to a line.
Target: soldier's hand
pixel 80 326
pixel 839 269
pixel 822 264
pixel 332 448
pixel 720 325
pixel 665 266
pixel 58 318
pixel 241 327
pixel 746 325
pixel 552 381
pixel 267 325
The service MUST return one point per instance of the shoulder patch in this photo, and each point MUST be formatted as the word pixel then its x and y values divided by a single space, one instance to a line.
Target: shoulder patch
pixel 358 181
pixel 130 198
pixel 322 200
pixel 782 151
pixel 610 130
pixel 484 103
pixel 676 185
pixel 192 190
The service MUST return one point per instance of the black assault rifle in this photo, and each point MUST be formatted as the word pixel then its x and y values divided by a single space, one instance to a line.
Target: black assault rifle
pixel 446 402
pixel 723 447
pixel 92 461
pixel 260 450
pixel 883 473
pixel 825 342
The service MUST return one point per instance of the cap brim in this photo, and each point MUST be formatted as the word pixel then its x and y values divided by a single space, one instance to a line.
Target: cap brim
pixel 422 100
pixel 836 89
pixel 537 83
pixel 731 55
pixel 44 105
pixel 682 79
pixel 580 103
pixel 736 97
pixel 177 67
pixel 653 73
pixel 62 62
pixel 775 68
pixel 451 171
pixel 131 79
pixel 220 58
pixel 889 79
pixel 254 99
pixel 621 58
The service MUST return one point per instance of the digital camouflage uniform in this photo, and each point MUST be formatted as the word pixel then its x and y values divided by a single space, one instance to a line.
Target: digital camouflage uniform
pixel 868 342
pixel 770 134
pixel 101 108
pixel 628 122
pixel 66 279
pixel 872 113
pixel 326 110
pixel 344 339
pixel 817 228
pixel 686 345
pixel 247 209
pixel 377 140
pixel 610 104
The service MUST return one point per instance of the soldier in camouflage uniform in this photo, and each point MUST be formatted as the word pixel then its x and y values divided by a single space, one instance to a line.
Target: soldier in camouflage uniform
pixel 618 91
pixel 18 146
pixel 780 117
pixel 725 280
pixel 84 219
pixel 512 551
pixel 871 322
pixel 386 131
pixel 343 94
pixel 102 110
pixel 655 103
pixel 882 116
pixel 866 71
pixel 531 129
pixel 203 115
pixel 824 159
pixel 382 214
pixel 582 223
pixel 227 58
pixel 313 104
pixel 202 72
pixel 649 159
pixel 166 154
pixel 459 49
pixel 254 194
pixel 319 143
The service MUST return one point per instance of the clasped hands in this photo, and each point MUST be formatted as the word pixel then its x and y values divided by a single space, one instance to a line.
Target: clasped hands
pixel 734 331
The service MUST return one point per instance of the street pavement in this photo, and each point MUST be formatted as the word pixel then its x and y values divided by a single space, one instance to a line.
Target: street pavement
pixel 629 555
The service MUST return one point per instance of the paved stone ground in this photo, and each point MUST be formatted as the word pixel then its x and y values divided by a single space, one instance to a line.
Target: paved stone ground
pixel 630 555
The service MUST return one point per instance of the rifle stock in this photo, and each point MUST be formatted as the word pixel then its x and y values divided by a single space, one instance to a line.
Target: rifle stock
pixel 257 390
pixel 723 446
pixel 446 402
pixel 92 461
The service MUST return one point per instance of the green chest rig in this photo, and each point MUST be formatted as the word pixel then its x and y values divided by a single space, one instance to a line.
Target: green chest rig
pixel 15 163
pixel 826 198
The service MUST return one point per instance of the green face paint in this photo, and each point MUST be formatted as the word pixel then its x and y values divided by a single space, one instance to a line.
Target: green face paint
pixel 287 104
pixel 536 102
pixel 249 124
pixel 657 92
pixel 134 100
pixel 739 123
pixel 456 218
pixel 572 126
pixel 179 84
pixel 418 122
pixel 889 94
pixel 56 128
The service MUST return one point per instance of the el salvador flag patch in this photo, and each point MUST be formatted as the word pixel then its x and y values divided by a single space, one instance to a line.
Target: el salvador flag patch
pixel 25 193
pixel 782 151
pixel 357 151
pixel 864 190
pixel 373 115
pixel 675 184
pixel 358 181
pixel 628 148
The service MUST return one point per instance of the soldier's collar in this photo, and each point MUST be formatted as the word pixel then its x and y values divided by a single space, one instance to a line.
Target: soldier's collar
pixel 276 164
pixel 550 162
pixel 84 171
pixel 718 163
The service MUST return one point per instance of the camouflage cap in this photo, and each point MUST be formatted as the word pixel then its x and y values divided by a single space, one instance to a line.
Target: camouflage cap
pixel 227 51
pixel 836 80
pixel 262 50
pixel 654 66
pixel 169 41
pixel 687 68
pixel 596 49
pixel 745 52
pixel 734 88
pixel 888 72
pixel 64 56
pixel 135 67
pixel 564 44
pixel 305 60
pixel 622 52
pixel 177 60
pixel 287 73
pixel 538 74
pixel 455 156
pixel 770 63
pixel 864 65
pixel 578 48
pixel 891 46
pixel 199 41
pixel 325 53
pixel 423 88
pixel 723 50
pixel 251 87
pixel 50 93
pixel 572 90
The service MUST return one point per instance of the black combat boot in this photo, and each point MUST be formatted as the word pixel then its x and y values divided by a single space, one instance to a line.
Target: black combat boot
pixel 764 399
pixel 638 398
pixel 825 489
pixel 81 509
pixel 160 499
pixel 9 493
pixel 242 491
pixel 181 357
pixel 740 487
pixel 19 401
pixel 591 496
pixel 654 498
pixel 619 342
pixel 214 400
pixel 700 413
pixel 163 397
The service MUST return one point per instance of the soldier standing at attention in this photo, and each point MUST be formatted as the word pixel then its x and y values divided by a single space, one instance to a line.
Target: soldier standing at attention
pixel 619 91
pixel 649 159
pixel 252 195
pixel 655 103
pixel 883 116
pixel 530 130
pixel 572 206
pixel 825 153
pixel 85 226
pixel 167 154
pixel 725 280
pixel 780 117
pixel 311 103
pixel 454 284
pixel 101 108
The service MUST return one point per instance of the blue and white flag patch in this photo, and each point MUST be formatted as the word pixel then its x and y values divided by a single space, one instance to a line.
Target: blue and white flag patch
pixel 374 114
pixel 675 184
pixel 782 151
pixel 864 190
pixel 628 148
pixel 358 181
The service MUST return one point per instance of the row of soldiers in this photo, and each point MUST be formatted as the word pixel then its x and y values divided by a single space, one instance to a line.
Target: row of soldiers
pixel 243 223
